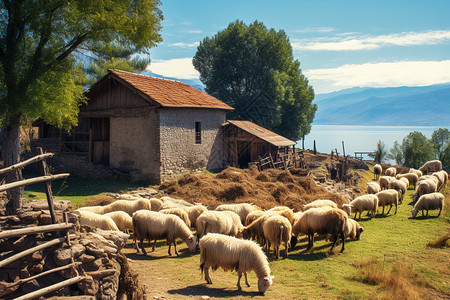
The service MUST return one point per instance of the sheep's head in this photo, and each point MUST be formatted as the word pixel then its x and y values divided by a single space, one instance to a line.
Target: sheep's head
pixel 347 208
pixel 264 283
pixel 191 242
pixel 414 212
pixel 358 233
pixel 244 233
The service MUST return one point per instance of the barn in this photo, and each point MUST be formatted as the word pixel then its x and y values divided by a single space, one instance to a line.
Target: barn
pixel 152 129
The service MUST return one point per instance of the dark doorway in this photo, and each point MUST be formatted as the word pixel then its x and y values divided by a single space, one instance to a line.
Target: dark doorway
pixel 100 140
pixel 244 154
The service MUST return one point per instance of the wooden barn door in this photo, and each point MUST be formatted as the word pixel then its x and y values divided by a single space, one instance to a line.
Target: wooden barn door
pixel 100 140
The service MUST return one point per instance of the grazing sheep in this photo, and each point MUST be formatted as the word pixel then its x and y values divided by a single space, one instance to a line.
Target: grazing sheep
pixel 177 202
pixel 391 171
pixel 406 181
pixel 255 229
pixel 428 202
pixel 297 216
pixel 218 250
pixel 194 212
pixel 412 178
pixel 373 188
pixel 93 209
pixel 353 230
pixel 322 221
pixel 442 176
pixel 388 197
pixel 128 206
pixel 319 203
pixel 97 221
pixel 400 186
pixel 283 211
pixel 155 204
pixel 122 220
pixel 277 229
pixel 365 202
pixel 279 208
pixel 242 209
pixel 155 225
pixel 384 182
pixel 253 216
pixel 347 208
pixel 223 222
pixel 417 172
pixel 179 212
pixel 431 166
pixel 426 186
pixel 377 169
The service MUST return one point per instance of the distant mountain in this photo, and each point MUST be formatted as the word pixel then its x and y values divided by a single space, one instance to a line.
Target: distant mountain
pixel 408 106
pixel 196 83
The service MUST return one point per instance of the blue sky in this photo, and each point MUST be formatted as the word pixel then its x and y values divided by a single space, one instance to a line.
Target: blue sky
pixel 340 44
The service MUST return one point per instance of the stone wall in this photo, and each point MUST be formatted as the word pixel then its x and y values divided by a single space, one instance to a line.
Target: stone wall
pixel 134 145
pixel 179 152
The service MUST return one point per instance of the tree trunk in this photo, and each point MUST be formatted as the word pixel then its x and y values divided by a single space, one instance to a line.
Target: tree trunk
pixel 11 148
pixel 303 143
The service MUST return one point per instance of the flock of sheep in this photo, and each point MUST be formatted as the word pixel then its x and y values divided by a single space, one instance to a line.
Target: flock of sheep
pixel 224 234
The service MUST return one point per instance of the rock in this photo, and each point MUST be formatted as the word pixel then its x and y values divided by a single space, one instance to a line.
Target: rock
pixel 77 250
pixel 29 216
pixel 36 269
pixel 37 256
pixel 117 237
pixel 96 264
pixel 30 286
pixel 63 256
pixel 94 250
pixel 88 286
pixel 85 259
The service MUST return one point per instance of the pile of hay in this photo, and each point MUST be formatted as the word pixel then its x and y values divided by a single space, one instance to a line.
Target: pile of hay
pixel 266 189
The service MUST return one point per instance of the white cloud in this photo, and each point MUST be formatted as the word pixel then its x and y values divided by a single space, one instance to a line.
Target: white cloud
pixel 185 45
pixel 317 29
pixel 194 31
pixel 179 68
pixel 340 43
pixel 387 74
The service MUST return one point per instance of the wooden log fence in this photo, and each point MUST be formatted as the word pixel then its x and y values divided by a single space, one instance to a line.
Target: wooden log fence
pixel 52 288
pixel 34 230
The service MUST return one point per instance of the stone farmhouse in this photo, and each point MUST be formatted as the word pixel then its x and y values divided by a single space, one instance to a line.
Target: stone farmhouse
pixel 152 129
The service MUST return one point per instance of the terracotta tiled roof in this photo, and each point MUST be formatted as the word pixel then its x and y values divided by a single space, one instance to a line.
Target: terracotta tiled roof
pixel 170 93
pixel 262 133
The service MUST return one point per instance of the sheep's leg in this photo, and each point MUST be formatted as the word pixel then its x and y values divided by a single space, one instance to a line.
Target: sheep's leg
pixel 154 246
pixel 207 277
pixel 170 245
pixel 246 280
pixel 395 209
pixel 423 214
pixel 382 211
pixel 426 214
pixel 439 212
pixel 277 249
pixel 343 240
pixel 175 246
pixel 286 248
pixel 142 246
pixel 239 280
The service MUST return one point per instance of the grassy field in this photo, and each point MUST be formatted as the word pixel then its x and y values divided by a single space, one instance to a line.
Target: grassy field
pixel 391 261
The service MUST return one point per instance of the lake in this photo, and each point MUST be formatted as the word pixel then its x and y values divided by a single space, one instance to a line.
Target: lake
pixel 358 138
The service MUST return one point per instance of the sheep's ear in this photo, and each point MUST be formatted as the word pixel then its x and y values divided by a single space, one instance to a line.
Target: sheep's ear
pixel 272 277
pixel 361 229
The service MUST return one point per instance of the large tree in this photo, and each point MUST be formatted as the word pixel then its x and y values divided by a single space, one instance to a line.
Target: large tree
pixel 417 149
pixel 253 69
pixel 42 44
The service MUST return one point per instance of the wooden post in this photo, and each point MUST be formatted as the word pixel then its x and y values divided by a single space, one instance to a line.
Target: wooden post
pixel 34 230
pixel 315 151
pixel 90 145
pixel 48 188
pixel 52 288
pixel 343 148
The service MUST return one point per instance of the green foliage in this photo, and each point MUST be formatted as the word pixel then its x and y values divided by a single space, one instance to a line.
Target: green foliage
pixel 380 152
pixel 440 138
pixel 396 154
pixel 252 68
pixel 417 149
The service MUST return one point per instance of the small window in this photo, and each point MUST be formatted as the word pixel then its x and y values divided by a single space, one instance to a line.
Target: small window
pixel 198 132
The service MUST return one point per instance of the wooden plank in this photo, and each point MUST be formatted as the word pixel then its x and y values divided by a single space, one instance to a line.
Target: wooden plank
pixel 47 187
pixel 52 288
pixel 34 230
pixel 22 254
pixel 25 182
pixel 26 162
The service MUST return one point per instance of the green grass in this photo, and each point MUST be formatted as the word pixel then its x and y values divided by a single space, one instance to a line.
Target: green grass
pixel 390 261
pixel 76 189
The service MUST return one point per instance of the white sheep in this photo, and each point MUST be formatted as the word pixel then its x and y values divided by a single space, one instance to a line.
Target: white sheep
pixel 426 186
pixel 322 221
pixel 388 197
pixel 373 188
pixel 283 211
pixel 217 250
pixel 97 221
pixel 347 208
pixel 297 216
pixel 353 230
pixel 277 229
pixel 428 202
pixel 122 220
pixel 392 171
pixel 253 216
pixel 399 185
pixel 442 176
pixel 412 178
pixel 155 225
pixel 384 182
pixel 223 222
pixel 319 203
pixel 128 206
pixel 365 202
pixel 431 166
pixel 155 204
pixel 417 172
pixel 177 202
pixel 179 212
pixel 94 209
pixel 377 169
pixel 242 209
pixel 194 212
